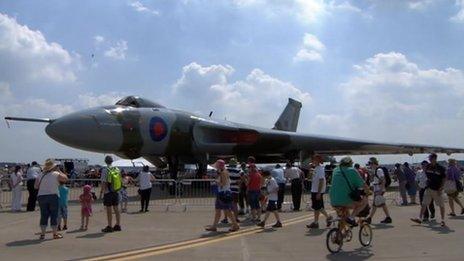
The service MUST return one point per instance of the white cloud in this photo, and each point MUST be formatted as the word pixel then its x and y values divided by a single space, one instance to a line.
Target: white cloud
pixel 459 17
pixel 92 100
pixel 26 56
pixel 98 39
pixel 344 6
pixel 258 99
pixel 5 91
pixel 139 7
pixel 118 51
pixel 419 4
pixel 391 98
pixel 311 49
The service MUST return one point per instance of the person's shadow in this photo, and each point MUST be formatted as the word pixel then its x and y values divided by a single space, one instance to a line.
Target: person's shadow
pixel 92 235
pixel 316 232
pixel 26 242
pixel 382 226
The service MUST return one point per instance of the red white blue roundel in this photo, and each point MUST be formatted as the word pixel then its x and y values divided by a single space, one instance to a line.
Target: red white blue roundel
pixel 158 129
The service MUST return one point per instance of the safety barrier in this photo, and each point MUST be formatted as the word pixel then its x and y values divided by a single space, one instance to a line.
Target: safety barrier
pixel 168 192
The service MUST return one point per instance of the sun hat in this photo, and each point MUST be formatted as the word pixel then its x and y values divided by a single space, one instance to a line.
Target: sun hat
pixel 233 162
pixel 49 165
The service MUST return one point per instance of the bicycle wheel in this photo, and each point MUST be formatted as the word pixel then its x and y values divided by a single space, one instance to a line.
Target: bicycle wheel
pixel 365 235
pixel 334 240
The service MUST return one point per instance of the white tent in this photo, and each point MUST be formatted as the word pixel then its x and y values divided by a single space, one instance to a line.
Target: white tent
pixel 140 162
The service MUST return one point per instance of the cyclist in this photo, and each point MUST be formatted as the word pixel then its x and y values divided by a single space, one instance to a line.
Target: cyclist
pixel 345 182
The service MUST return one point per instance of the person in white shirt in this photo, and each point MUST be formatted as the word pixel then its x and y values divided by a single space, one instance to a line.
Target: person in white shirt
pixel 318 188
pixel 145 180
pixel 31 175
pixel 379 189
pixel 272 189
pixel 294 175
pixel 421 179
pixel 16 182
pixel 278 174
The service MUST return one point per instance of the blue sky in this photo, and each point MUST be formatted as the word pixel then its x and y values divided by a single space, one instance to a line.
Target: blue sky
pixel 382 70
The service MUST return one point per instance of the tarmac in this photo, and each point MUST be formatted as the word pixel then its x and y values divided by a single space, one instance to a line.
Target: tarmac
pixel 179 235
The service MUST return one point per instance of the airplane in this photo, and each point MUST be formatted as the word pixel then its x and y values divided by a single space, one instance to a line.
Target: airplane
pixel 137 127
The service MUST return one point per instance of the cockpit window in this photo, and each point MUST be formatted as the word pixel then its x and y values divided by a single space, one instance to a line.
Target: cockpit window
pixel 137 102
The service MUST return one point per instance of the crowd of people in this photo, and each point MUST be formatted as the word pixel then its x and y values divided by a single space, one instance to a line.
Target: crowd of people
pixel 244 189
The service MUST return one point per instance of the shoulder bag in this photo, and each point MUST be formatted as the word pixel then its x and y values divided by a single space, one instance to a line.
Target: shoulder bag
pixel 355 194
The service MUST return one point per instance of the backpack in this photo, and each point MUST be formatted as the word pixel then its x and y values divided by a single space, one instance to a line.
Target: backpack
pixel 388 180
pixel 114 179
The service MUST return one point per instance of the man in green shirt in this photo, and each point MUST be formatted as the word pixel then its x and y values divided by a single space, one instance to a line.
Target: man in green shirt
pixel 346 179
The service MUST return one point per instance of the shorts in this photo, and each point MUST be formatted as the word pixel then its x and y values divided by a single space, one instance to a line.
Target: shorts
pixel 63 212
pixel 317 204
pixel 111 199
pixel 435 195
pixel 271 206
pixel 223 205
pixel 412 190
pixel 253 199
pixel 123 195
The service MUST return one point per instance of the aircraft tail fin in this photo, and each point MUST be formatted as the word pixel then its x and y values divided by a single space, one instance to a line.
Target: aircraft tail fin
pixel 288 120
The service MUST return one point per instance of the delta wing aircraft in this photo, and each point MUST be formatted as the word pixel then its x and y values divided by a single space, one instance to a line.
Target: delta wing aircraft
pixel 136 127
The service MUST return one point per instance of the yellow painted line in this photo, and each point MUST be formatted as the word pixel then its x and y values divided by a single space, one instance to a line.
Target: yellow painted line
pixel 158 250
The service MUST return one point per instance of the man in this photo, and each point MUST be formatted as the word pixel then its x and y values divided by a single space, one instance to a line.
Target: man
pixel 318 188
pixel 294 175
pixel 31 175
pixel 421 179
pixel 235 175
pixel 402 181
pixel 110 194
pixel 271 189
pixel 278 174
pixel 436 175
pixel 410 183
pixel 379 181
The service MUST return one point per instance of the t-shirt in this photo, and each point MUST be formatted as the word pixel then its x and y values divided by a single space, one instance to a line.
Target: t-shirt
pixel 33 172
pixel 340 191
pixel 64 191
pixel 272 188
pixel 292 173
pixel 436 175
pixel 254 181
pixel 278 175
pixel 319 173
pixel 17 178
pixel 144 179
pixel 421 179
pixel 103 177
pixel 235 174
pixel 378 180
pixel 49 184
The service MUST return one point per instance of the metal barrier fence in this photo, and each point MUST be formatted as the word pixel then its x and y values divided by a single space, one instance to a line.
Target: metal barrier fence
pixel 168 192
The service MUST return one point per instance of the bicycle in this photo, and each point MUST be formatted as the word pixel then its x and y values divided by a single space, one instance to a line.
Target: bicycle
pixel 343 233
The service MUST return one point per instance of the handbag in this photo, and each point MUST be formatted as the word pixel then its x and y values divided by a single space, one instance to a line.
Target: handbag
pixel 355 194
pixel 450 186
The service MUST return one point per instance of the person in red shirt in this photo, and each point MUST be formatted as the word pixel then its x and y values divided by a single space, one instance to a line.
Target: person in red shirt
pixel 254 191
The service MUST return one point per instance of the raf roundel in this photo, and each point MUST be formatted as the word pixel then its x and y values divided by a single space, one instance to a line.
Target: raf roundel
pixel 158 129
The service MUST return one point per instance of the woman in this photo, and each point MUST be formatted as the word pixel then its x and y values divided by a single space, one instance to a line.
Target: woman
pixel 47 183
pixel 16 183
pixel 223 199
pixel 454 174
pixel 345 181
pixel 145 179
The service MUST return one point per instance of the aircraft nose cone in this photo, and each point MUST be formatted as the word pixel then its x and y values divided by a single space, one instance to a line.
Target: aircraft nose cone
pixel 88 130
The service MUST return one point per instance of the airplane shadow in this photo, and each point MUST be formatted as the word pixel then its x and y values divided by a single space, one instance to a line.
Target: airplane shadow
pixel 363 253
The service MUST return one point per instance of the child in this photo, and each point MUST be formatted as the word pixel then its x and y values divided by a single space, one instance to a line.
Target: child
pixel 63 206
pixel 124 198
pixel 271 189
pixel 86 200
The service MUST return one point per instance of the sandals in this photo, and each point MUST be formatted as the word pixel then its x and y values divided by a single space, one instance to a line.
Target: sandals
pixel 212 229
pixel 233 229
pixel 42 237
pixel 442 224
pixel 57 236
